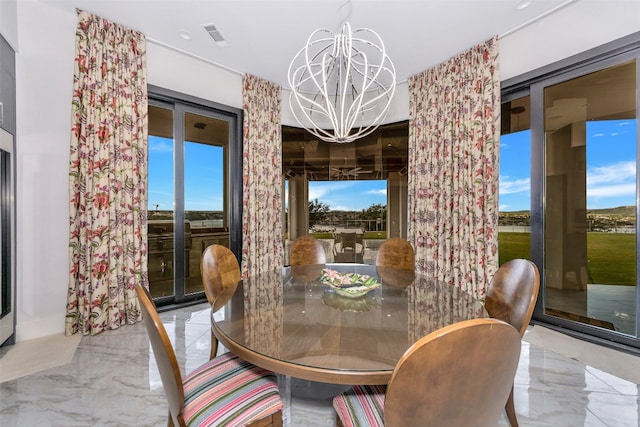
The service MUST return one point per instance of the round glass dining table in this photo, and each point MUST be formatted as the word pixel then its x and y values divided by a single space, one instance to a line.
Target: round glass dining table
pixel 337 323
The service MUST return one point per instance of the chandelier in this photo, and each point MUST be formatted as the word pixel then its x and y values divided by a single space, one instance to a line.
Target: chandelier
pixel 341 84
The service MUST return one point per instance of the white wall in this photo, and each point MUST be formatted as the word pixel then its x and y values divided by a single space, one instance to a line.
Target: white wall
pixel 579 27
pixel 172 70
pixel 44 70
pixel 44 77
pixel 44 74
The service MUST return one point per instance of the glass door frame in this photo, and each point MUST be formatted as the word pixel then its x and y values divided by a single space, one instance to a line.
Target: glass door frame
pixel 182 104
pixel 534 82
pixel 7 238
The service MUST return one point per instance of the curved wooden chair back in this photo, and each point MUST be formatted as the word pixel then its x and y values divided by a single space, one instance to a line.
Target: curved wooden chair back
pixel 307 250
pixel 512 293
pixel 511 297
pixel 165 356
pixel 220 274
pixel 397 253
pixel 457 376
pixel 395 262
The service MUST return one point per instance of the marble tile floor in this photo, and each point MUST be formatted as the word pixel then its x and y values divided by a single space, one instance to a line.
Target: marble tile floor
pixel 113 381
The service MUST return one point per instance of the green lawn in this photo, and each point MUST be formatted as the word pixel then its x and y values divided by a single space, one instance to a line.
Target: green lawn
pixel 513 245
pixel 611 256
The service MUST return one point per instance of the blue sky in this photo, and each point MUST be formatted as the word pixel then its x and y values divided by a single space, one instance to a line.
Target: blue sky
pixel 611 166
pixel 203 176
pixel 611 170
pixel 349 195
pixel 203 181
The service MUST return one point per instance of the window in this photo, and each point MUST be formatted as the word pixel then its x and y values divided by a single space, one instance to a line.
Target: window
pixel 514 236
pixel 195 165
pixel 590 139
pixel 584 184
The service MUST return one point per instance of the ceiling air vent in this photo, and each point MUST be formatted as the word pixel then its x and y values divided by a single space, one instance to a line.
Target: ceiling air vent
pixel 215 35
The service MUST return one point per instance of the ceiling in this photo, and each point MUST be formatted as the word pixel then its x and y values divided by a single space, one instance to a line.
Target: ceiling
pixel 262 37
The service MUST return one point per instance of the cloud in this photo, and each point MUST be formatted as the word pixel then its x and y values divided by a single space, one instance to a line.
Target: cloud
pixel 509 186
pixel 614 180
pixel 615 173
pixel 324 190
pixel 345 195
pixel 618 190
pixel 160 146
pixel 615 130
pixel 320 190
pixel 335 207
pixel 379 192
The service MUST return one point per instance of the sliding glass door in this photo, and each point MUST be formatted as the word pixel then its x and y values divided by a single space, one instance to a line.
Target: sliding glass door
pixel 192 151
pixel 570 145
pixel 590 187
pixel 7 239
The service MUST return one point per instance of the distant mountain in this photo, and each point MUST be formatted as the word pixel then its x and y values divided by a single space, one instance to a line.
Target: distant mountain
pixel 620 210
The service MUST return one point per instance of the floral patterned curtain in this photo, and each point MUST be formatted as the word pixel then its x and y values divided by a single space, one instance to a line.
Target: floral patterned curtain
pixel 434 305
pixel 262 249
pixel 108 177
pixel 264 312
pixel 454 135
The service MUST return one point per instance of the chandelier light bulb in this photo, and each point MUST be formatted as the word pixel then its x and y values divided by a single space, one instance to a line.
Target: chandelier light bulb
pixel 341 84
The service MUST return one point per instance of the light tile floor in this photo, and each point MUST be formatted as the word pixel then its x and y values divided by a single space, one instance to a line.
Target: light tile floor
pixel 113 381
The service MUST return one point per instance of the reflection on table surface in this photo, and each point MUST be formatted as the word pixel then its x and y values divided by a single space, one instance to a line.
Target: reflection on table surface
pixel 293 317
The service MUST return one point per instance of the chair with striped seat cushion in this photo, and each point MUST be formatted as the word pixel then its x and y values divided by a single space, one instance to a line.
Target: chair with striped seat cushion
pixel 457 376
pixel 362 403
pixel 225 391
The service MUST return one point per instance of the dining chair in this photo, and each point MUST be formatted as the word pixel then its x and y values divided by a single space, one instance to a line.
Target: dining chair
pixel 395 262
pixel 220 274
pixel 307 259
pixel 348 247
pixel 457 376
pixel 511 297
pixel 307 250
pixel 397 253
pixel 224 391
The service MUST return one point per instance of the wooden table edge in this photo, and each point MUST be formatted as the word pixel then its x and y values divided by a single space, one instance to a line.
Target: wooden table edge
pixel 331 376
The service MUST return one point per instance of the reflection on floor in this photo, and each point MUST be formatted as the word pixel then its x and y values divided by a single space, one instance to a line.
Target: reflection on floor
pixel 108 385
pixel 608 306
